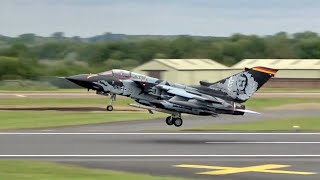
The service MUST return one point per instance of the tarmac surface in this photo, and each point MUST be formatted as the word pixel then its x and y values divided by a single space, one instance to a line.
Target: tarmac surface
pixel 222 155
pixel 170 167
pixel 151 147
pixel 159 143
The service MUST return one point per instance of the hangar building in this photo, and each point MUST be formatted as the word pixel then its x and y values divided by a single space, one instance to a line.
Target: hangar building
pixel 185 71
pixel 294 73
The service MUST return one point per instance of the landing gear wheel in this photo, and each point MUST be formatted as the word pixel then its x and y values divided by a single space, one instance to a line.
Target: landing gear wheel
pixel 177 122
pixel 169 120
pixel 109 108
pixel 113 98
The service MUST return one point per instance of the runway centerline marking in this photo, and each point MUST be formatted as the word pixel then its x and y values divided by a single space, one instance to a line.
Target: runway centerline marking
pixel 224 170
pixel 265 142
pixel 144 133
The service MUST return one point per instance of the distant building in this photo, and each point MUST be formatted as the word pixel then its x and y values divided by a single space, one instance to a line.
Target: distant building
pixel 186 71
pixel 293 73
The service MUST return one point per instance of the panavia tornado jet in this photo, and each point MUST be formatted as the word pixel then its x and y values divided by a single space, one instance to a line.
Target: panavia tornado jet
pixel 206 99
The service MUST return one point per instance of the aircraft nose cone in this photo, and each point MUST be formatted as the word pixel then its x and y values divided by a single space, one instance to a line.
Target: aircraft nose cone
pixel 77 78
pixel 81 80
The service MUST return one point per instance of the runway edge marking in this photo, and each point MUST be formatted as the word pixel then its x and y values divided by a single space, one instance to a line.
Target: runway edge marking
pixel 158 155
pixel 266 142
pixel 138 133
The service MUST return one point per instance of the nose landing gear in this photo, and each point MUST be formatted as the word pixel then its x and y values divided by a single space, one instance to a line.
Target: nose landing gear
pixel 112 98
pixel 109 108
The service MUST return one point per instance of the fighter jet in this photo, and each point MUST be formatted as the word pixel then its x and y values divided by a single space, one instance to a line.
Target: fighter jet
pixel 207 99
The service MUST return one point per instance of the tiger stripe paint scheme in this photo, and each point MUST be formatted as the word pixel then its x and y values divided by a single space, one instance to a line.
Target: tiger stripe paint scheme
pixel 207 99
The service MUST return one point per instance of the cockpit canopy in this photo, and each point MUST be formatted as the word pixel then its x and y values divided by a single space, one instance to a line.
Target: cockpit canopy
pixel 123 74
pixel 106 73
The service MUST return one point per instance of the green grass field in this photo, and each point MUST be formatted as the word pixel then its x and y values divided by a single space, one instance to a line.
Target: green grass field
pixel 43 119
pixel 39 170
pixel 284 124
pixel 286 90
pixel 48 102
pixel 45 91
pixel 255 103
pixel 265 103
pixel 57 90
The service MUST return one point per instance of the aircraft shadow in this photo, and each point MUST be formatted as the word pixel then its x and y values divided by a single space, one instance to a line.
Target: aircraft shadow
pixel 177 141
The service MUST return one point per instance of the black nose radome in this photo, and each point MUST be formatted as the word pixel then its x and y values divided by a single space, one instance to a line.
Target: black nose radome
pixel 81 80
pixel 76 78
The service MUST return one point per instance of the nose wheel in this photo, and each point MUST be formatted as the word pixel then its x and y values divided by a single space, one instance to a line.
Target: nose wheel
pixel 110 107
pixel 176 121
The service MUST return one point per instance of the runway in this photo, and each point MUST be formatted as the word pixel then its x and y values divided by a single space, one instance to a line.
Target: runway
pixel 176 154
pixel 173 167
pixel 151 147
pixel 159 144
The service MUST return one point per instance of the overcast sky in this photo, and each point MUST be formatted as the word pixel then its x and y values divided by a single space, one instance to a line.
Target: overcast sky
pixel 166 17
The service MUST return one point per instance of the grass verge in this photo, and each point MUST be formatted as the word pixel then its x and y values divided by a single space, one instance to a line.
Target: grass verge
pixel 63 101
pixel 22 90
pixel 265 103
pixel 289 90
pixel 255 103
pixel 44 119
pixel 34 170
pixel 81 90
pixel 283 124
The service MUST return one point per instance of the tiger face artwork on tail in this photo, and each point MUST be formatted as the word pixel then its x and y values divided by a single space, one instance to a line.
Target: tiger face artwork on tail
pixel 240 86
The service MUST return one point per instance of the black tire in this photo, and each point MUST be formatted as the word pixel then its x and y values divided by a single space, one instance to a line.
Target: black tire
pixel 178 122
pixel 169 121
pixel 109 108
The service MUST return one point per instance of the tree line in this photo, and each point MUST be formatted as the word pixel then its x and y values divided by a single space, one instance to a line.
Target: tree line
pixel 29 56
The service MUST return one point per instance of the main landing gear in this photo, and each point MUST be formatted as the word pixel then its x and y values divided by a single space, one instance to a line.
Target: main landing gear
pixel 112 98
pixel 172 120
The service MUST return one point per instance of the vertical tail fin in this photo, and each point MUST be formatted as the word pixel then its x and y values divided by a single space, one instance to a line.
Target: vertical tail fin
pixel 243 85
